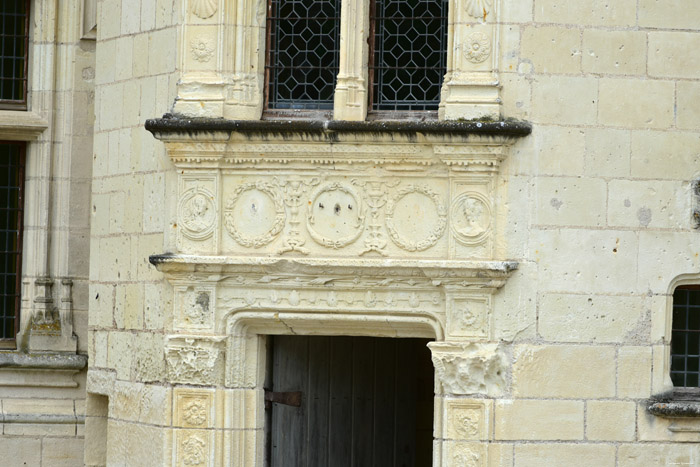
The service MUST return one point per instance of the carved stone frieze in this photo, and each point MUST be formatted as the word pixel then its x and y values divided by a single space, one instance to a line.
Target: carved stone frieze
pixel 194 360
pixel 470 368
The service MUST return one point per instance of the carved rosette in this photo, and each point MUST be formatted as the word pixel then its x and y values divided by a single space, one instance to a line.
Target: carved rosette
pixel 197 213
pixel 335 216
pixel 477 47
pixel 470 218
pixel 438 230
pixel 202 48
pixel 255 207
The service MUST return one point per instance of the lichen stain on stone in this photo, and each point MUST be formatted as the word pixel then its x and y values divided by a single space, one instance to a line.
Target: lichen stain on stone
pixel 644 216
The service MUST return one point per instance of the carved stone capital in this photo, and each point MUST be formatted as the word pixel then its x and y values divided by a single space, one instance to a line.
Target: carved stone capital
pixel 470 368
pixel 194 360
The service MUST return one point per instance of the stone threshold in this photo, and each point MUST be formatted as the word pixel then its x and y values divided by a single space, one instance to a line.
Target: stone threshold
pixel 171 123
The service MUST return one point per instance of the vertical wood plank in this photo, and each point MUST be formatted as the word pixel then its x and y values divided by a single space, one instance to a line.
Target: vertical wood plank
pixel 384 374
pixel 405 420
pixel 340 417
pixel 363 400
pixel 288 423
pixel 317 402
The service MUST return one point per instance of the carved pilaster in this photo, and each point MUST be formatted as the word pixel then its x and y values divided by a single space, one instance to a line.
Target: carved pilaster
pixel 471 88
pixel 350 101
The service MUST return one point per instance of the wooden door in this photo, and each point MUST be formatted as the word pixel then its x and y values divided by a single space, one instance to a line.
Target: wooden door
pixel 364 402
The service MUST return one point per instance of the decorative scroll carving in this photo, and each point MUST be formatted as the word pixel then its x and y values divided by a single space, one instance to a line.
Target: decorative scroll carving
pixel 478 8
pixel 471 218
pixel 202 48
pixel 469 368
pixel 197 214
pixel 193 450
pixel 376 199
pixel 204 8
pixel 294 190
pixel 477 47
pixel 433 236
pixel 335 208
pixel 193 361
pixel 466 455
pixel 260 207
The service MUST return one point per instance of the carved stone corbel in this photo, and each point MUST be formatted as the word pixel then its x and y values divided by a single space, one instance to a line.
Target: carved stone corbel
pixel 470 368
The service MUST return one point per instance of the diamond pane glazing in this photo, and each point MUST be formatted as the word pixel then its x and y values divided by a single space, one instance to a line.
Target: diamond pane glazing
pixel 13 51
pixel 685 337
pixel 408 62
pixel 303 53
pixel 11 204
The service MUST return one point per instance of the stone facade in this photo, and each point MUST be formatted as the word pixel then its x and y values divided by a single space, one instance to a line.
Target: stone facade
pixel 535 231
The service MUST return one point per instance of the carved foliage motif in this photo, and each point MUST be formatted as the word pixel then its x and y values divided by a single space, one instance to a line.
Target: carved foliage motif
pixel 195 412
pixel 477 47
pixel 193 363
pixel 204 8
pixel 471 369
pixel 465 455
pixel 202 48
pixel 197 213
pixel 257 204
pixel 375 197
pixel 341 209
pixel 294 189
pixel 193 450
pixel 433 236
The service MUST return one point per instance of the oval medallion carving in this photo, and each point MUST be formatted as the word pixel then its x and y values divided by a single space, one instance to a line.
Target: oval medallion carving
pixel 471 218
pixel 254 214
pixel 415 218
pixel 196 213
pixel 335 216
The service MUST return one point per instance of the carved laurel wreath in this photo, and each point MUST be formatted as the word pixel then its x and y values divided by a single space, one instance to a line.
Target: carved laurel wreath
pixel 435 234
pixel 277 225
pixel 343 241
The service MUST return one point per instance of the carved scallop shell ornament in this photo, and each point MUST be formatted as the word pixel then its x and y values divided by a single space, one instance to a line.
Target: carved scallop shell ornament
pixel 478 8
pixel 204 8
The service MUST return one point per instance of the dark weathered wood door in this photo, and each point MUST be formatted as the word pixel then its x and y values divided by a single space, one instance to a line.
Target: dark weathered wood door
pixel 364 402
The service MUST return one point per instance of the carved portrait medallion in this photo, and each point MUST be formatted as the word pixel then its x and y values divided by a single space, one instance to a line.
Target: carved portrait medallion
pixel 335 217
pixel 415 218
pixel 254 214
pixel 196 213
pixel 471 218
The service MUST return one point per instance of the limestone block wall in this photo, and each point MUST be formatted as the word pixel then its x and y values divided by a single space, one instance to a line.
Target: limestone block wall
pixel 135 79
pixel 42 376
pixel 600 219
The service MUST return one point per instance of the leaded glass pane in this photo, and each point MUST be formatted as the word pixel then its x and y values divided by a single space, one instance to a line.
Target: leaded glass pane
pixel 685 337
pixel 11 204
pixel 410 53
pixel 13 51
pixel 303 53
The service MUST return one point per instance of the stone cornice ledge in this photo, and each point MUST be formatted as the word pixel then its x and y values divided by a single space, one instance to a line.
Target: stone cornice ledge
pixel 43 361
pixel 164 128
pixel 480 271
pixel 21 125
pixel 674 409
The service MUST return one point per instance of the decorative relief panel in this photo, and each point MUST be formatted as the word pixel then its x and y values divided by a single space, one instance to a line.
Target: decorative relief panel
pixel 254 215
pixel 335 217
pixel 421 218
pixel 197 208
pixel 469 368
pixel 194 307
pixel 468 317
pixel 196 361
pixel 194 408
pixel 466 420
pixel 466 454
pixel 194 448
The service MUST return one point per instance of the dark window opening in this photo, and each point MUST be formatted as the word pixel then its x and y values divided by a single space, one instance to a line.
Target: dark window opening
pixel 685 337
pixel 303 55
pixel 408 55
pixel 364 401
pixel 12 158
pixel 14 40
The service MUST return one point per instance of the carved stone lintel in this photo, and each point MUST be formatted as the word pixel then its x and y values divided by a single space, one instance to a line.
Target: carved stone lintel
pixel 470 368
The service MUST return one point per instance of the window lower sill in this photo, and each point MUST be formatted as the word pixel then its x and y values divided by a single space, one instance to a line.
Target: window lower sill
pixel 40 370
pixel 674 409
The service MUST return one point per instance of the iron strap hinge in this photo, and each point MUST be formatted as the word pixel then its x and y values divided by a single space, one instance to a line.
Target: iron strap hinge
pixel 286 398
